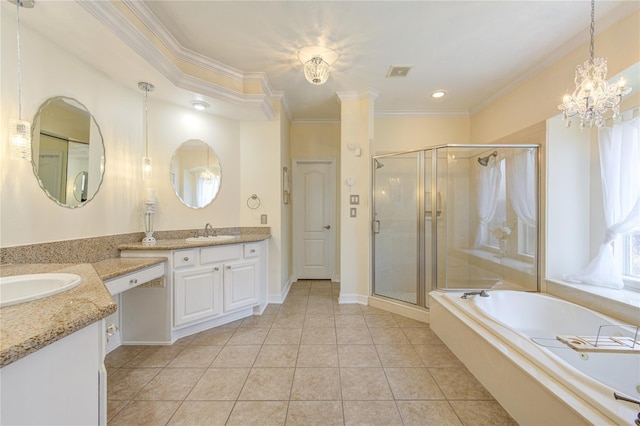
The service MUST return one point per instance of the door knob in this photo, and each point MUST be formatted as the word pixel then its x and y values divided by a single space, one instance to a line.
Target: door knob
pixel 327 227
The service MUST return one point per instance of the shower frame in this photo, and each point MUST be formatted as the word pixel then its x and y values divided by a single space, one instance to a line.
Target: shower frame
pixel 422 273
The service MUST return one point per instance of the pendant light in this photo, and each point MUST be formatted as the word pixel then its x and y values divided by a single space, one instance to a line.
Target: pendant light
pixel 146 160
pixel 19 129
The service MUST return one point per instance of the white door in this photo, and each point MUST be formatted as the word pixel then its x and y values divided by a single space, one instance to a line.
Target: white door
pixel 314 188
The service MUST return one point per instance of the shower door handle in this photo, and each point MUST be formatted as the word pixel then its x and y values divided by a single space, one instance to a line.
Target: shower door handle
pixel 376 227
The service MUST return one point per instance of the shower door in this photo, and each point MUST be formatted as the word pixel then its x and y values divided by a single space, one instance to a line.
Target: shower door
pixel 396 229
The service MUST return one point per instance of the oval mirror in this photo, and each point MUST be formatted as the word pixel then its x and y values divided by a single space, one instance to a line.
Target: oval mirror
pixel 195 173
pixel 67 152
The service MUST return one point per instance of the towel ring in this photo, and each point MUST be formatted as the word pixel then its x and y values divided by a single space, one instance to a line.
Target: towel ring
pixel 253 202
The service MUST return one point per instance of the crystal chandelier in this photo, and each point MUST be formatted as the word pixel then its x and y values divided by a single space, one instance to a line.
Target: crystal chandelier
pixel 593 95
pixel 316 70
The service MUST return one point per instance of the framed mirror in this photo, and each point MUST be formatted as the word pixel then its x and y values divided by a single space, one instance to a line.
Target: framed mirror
pixel 67 152
pixel 195 173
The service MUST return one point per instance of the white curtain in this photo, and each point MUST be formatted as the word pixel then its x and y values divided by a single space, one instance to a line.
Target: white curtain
pixel 205 190
pixel 521 181
pixel 488 179
pixel 620 169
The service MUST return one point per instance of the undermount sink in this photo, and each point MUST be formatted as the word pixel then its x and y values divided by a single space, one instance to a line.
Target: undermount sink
pixel 25 288
pixel 210 238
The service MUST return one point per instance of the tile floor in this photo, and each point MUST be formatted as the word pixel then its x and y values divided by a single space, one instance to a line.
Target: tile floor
pixel 308 361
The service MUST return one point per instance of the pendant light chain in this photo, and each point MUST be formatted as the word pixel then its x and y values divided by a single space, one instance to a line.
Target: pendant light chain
pixel 18 5
pixel 146 123
pixel 592 28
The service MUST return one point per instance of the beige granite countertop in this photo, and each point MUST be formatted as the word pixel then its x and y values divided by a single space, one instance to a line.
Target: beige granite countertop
pixel 177 244
pixel 113 268
pixel 28 327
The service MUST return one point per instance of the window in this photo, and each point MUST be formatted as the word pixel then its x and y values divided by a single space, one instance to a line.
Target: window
pixel 527 237
pixel 631 260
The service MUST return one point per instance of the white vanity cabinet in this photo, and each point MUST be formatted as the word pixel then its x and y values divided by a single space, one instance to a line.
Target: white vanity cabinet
pixel 204 287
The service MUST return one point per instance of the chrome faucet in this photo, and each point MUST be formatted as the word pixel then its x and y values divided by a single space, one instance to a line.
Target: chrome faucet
pixel 209 231
pixel 481 293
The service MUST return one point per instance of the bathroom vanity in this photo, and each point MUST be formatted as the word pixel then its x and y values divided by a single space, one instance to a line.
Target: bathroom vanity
pixel 207 284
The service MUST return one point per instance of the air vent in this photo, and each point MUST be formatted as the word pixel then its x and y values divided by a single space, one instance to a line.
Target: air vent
pixel 398 70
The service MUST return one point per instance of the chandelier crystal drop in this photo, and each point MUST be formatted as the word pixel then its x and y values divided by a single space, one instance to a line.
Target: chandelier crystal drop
pixel 316 71
pixel 593 96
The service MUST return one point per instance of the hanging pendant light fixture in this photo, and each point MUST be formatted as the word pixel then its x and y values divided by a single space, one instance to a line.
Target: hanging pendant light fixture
pixel 206 175
pixel 146 160
pixel 19 129
pixel 316 71
pixel 593 96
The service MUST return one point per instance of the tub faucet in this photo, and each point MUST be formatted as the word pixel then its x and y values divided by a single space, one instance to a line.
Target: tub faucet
pixel 209 231
pixel 481 293
pixel 616 395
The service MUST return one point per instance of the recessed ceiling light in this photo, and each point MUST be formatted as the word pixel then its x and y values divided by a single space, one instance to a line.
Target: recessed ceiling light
pixel 199 105
pixel 438 94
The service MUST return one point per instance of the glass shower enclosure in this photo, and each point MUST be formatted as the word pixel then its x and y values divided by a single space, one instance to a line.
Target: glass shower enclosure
pixel 455 217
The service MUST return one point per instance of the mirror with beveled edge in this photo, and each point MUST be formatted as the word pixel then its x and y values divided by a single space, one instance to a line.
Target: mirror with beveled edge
pixel 67 152
pixel 195 173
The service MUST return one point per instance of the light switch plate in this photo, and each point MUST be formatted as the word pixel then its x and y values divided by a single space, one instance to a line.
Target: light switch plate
pixel 263 219
pixel 354 199
pixel 353 212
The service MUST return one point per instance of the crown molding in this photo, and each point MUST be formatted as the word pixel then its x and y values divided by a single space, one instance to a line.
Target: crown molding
pixel 370 93
pixel 318 122
pixel 421 113
pixel 107 13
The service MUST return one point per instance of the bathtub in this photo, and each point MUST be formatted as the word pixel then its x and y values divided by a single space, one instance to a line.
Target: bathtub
pixel 508 341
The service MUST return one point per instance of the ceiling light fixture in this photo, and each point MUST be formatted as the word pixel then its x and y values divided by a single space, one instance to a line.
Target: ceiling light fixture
pixel 20 130
pixel 593 95
pixel 438 94
pixel 146 160
pixel 199 105
pixel 316 61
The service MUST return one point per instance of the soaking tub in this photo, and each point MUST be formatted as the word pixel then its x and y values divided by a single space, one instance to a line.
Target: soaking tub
pixel 508 341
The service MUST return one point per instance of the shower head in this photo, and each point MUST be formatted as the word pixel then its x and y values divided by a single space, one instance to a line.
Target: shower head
pixel 484 161
pixel 377 163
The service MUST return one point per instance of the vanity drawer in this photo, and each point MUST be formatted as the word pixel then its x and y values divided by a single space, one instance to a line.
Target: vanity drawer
pixel 220 253
pixel 134 279
pixel 184 258
pixel 251 250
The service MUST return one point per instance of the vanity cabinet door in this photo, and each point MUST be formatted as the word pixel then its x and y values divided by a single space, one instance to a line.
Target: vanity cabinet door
pixel 241 284
pixel 197 294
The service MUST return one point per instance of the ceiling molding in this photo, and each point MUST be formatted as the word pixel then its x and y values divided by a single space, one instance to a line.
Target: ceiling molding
pixel 319 122
pixel 370 93
pixel 107 13
pixel 421 113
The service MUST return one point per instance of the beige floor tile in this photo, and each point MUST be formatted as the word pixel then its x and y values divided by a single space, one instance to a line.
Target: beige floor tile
pixel 412 383
pixel 317 300
pixel 264 413
pixel 271 309
pixel 268 384
pixel 315 321
pixel 296 300
pixel 292 310
pixel 318 336
pixel 398 356
pixel 283 336
pixel 301 284
pixel 125 383
pixel 325 308
pixel 146 413
pixel 317 356
pixel 298 291
pixel 155 356
pixel 122 355
pixel 320 291
pixel 380 320
pixel 248 336
pixel 264 320
pixel 353 336
pixel 437 356
pixel 422 336
pixel 358 356
pixel 366 309
pixel 287 320
pixel 409 322
pixel 419 413
pixel 114 407
pixel 236 356
pixel 347 309
pixel 219 384
pixel 371 413
pixel 318 384
pixel 388 336
pixel 232 325
pixel 195 357
pixel 202 413
pixel 277 356
pixel 213 337
pixel 314 413
pixel 171 384
pixel 459 383
pixel 364 384
pixel 482 413
pixel 350 321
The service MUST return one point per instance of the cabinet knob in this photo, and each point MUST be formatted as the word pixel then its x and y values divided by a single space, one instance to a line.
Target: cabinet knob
pixel 186 258
pixel 228 267
pixel 133 281
pixel 216 269
pixel 252 251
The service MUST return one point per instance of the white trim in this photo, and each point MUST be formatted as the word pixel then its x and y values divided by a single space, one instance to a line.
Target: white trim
pixel 347 299
pixel 422 113
pixel 279 299
pixel 393 306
